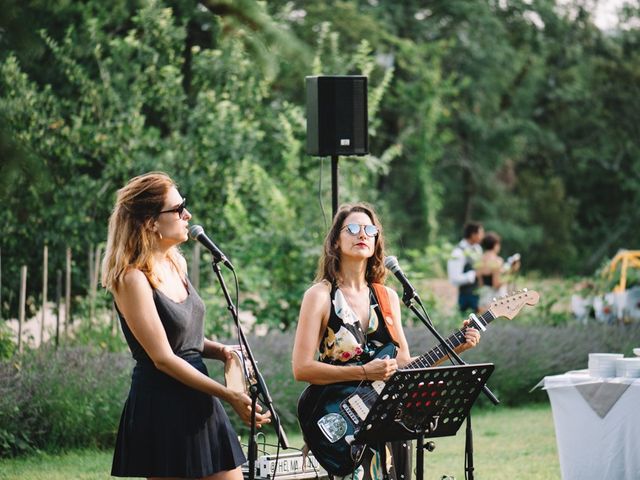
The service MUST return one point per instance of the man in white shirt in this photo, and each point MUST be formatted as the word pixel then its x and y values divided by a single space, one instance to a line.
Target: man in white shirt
pixel 460 266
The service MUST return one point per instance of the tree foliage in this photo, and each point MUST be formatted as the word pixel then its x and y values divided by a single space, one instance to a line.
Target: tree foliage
pixel 517 113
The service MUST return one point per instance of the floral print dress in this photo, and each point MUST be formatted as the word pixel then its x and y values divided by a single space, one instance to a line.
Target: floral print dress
pixel 345 343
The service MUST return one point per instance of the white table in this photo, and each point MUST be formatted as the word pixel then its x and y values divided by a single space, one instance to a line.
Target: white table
pixel 597 423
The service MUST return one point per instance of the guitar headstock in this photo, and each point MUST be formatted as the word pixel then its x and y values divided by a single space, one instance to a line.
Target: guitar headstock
pixel 509 305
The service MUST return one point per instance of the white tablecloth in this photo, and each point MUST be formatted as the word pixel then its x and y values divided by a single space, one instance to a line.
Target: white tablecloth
pixel 597 425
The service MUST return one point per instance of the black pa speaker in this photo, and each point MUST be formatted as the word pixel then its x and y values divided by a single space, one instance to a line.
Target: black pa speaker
pixel 337 120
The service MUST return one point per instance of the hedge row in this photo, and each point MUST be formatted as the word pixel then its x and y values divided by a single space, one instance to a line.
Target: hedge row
pixel 53 400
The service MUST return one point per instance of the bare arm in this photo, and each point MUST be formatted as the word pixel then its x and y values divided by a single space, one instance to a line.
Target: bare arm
pixel 403 357
pixel 314 315
pixel 216 350
pixel 134 298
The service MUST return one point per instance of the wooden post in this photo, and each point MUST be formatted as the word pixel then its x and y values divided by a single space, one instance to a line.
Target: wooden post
pixel 58 295
pixel 45 273
pixel 94 282
pixel 90 260
pixel 0 284
pixel 23 299
pixel 114 320
pixel 67 293
pixel 195 267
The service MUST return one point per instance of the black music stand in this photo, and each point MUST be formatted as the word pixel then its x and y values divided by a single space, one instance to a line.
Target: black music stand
pixel 425 402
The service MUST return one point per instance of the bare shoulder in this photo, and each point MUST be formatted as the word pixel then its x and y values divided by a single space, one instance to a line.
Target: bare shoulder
pixel 318 290
pixel 182 262
pixel 134 281
pixel 319 294
pixel 392 293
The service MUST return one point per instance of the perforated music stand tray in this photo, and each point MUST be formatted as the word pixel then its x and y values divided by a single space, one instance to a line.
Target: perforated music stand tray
pixel 428 402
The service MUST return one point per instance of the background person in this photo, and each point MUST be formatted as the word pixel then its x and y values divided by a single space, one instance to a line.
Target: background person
pixel 172 424
pixel 460 266
pixel 489 270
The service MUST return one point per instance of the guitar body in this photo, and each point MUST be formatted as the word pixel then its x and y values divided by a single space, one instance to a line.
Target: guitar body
pixel 330 415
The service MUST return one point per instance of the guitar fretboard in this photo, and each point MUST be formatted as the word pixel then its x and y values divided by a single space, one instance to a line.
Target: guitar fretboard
pixel 456 339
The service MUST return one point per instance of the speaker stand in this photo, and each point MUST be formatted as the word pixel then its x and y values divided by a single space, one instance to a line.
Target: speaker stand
pixel 334 184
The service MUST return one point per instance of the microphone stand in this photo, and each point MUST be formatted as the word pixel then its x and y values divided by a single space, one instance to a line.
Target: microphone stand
pixel 257 388
pixel 407 298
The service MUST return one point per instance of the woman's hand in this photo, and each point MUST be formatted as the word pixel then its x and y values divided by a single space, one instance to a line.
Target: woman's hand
pixel 226 352
pixel 241 403
pixel 380 369
pixel 471 335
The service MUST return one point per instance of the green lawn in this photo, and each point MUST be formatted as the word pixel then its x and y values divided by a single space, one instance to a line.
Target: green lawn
pixel 508 444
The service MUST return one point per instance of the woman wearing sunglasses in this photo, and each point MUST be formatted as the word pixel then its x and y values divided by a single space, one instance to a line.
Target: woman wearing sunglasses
pixel 173 423
pixel 341 325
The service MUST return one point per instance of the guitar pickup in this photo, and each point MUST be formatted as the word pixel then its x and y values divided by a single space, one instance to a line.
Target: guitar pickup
pixel 358 406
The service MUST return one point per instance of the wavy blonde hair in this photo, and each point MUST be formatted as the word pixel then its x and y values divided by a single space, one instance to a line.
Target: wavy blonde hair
pixel 329 263
pixel 131 239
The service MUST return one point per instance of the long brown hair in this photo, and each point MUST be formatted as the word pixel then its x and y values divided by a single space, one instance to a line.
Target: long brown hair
pixel 131 238
pixel 329 264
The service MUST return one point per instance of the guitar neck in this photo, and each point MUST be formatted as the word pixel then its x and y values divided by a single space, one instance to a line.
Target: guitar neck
pixel 456 339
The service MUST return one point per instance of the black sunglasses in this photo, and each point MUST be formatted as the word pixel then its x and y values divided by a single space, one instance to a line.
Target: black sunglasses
pixel 354 229
pixel 179 209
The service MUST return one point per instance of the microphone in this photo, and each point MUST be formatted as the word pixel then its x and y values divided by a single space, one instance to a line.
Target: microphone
pixel 409 292
pixel 196 232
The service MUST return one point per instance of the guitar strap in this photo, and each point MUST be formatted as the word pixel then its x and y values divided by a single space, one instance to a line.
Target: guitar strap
pixel 385 307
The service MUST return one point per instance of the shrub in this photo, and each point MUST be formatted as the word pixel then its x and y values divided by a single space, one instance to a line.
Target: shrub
pixel 523 355
pixel 73 397
pixel 7 345
pixel 53 400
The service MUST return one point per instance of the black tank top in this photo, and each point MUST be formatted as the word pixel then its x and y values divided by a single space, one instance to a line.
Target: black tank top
pixel 344 341
pixel 183 322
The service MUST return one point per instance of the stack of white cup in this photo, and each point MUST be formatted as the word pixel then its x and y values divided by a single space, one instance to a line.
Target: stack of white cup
pixel 603 364
pixel 628 367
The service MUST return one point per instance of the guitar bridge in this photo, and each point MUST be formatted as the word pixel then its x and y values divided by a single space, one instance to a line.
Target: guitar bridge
pixel 350 413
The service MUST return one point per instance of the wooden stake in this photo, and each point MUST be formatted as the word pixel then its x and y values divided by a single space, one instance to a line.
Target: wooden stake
pixel 195 267
pixel 23 299
pixel 0 285
pixel 94 281
pixel 90 264
pixel 45 273
pixel 58 295
pixel 67 293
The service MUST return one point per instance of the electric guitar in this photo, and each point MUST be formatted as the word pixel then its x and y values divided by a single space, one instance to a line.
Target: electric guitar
pixel 331 415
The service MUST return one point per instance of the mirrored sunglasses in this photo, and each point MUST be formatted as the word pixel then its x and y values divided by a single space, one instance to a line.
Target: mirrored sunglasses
pixel 354 229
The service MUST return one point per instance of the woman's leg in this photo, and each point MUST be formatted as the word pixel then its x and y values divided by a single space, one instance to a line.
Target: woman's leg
pixel 235 474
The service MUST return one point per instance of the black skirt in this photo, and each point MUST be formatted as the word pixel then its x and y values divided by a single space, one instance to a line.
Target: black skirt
pixel 168 429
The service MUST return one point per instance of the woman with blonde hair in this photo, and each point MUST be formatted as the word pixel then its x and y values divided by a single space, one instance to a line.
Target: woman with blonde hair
pixel 173 423
pixel 341 324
